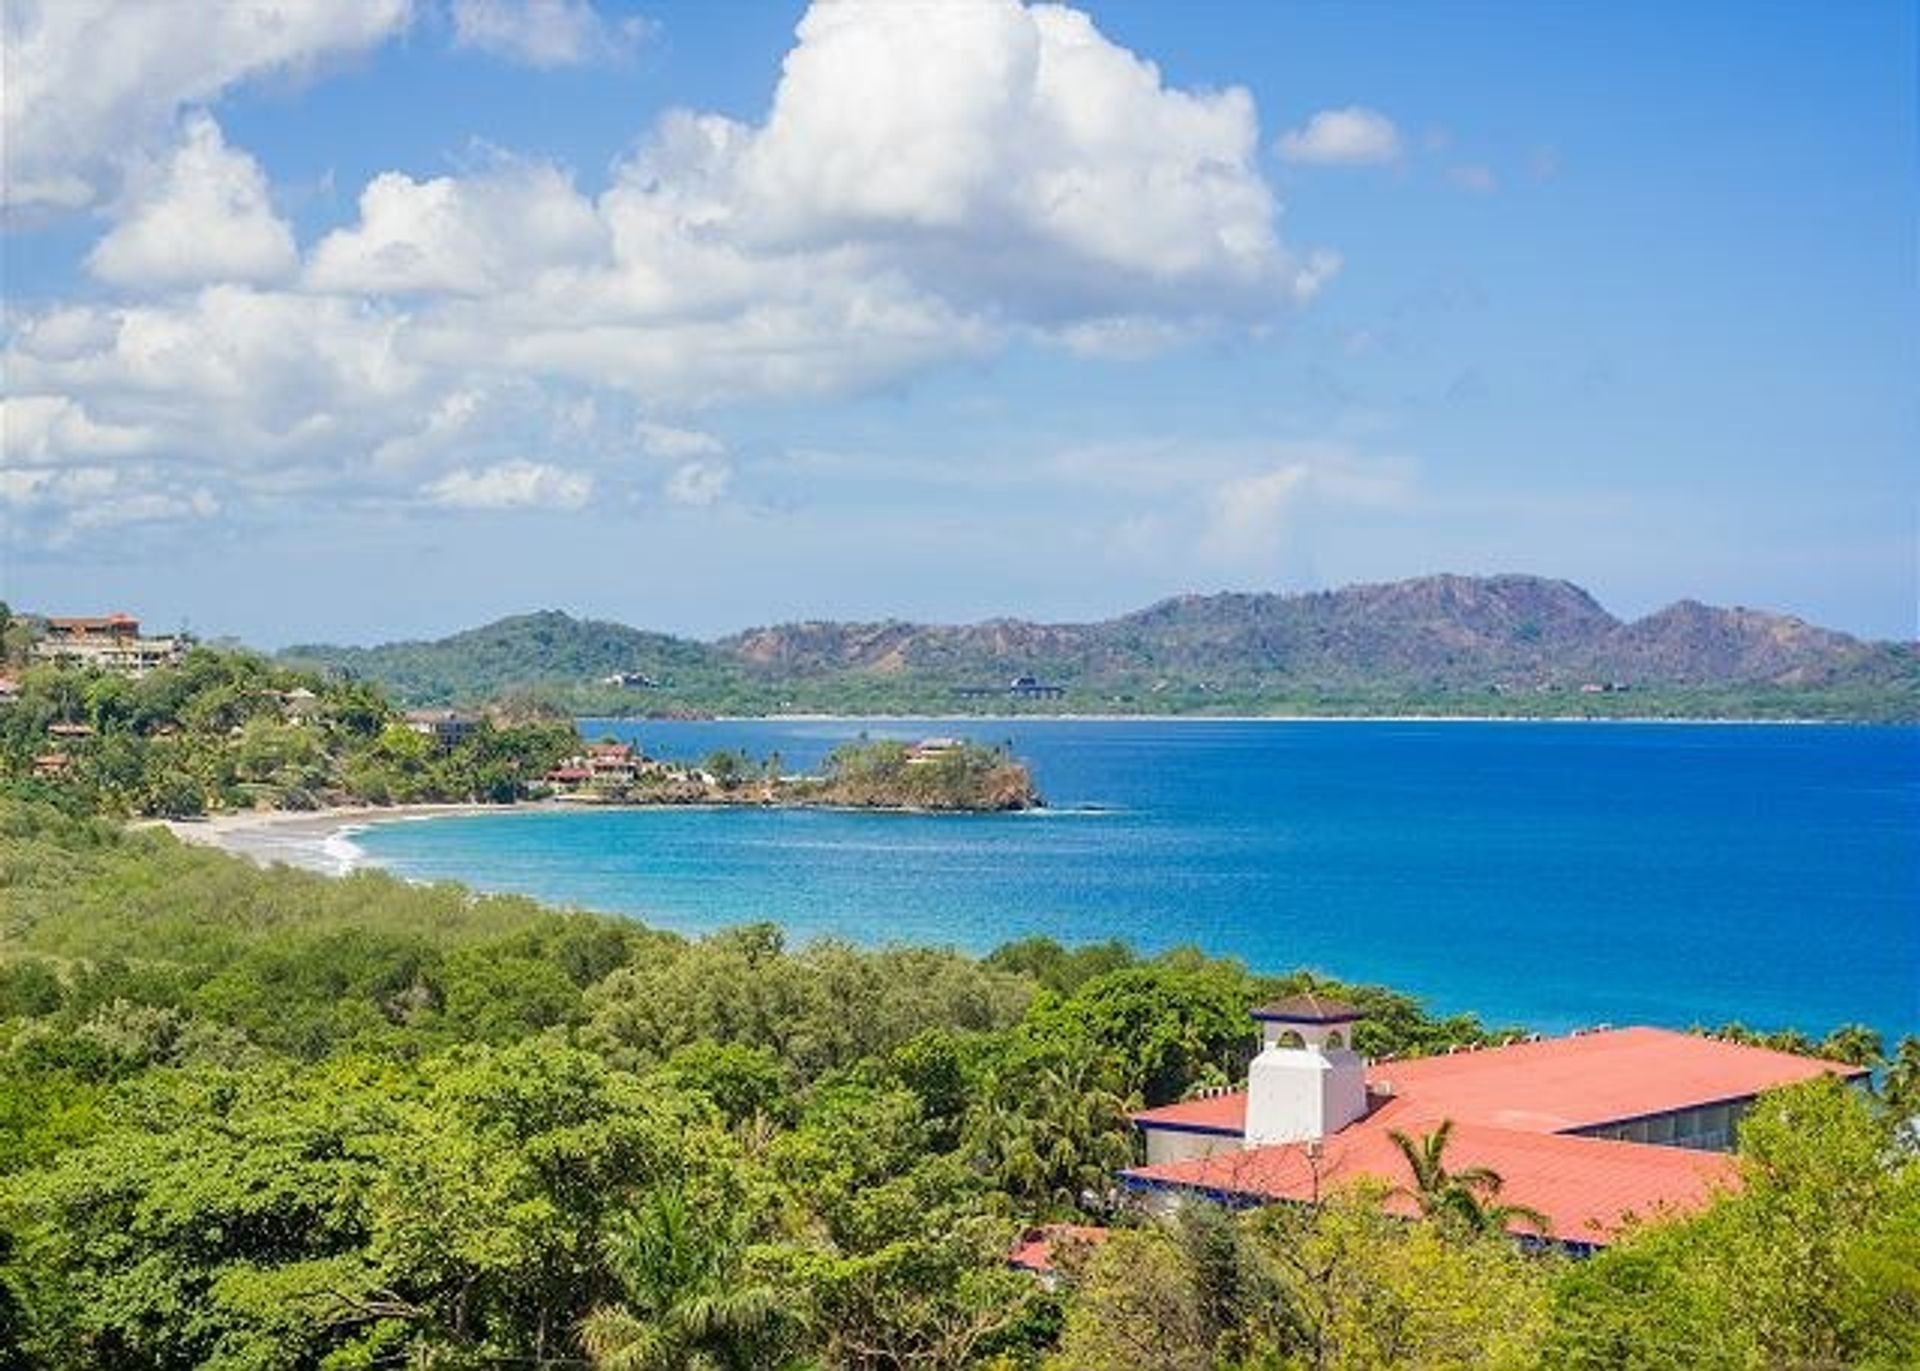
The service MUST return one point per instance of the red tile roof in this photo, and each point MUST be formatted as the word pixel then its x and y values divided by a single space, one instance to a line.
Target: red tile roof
pixel 1036 1248
pixel 1587 1187
pixel 1515 1109
pixel 1554 1085
pixel 1215 1114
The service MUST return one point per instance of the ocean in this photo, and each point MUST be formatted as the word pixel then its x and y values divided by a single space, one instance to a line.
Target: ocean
pixel 1550 875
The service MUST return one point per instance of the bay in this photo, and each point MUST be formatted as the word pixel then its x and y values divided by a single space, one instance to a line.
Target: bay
pixel 1544 874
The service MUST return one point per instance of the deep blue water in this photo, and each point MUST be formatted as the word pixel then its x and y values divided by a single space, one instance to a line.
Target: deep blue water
pixel 1547 874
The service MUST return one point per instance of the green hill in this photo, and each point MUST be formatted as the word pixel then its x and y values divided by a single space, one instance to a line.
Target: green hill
pixel 1509 645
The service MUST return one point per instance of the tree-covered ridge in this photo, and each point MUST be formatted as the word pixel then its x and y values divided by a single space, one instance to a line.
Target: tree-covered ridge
pixel 268 1119
pixel 233 730
pixel 1517 646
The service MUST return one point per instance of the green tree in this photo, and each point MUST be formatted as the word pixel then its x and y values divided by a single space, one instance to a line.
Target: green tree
pixel 1468 1199
pixel 688 1300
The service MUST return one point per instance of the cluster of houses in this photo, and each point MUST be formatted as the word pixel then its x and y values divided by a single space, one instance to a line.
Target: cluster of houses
pixel 1591 1130
pixel 603 771
pixel 107 642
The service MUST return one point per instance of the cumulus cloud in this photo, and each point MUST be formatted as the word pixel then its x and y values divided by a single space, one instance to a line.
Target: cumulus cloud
pixel 39 430
pixel 545 33
pixel 1342 137
pixel 90 83
pixel 464 236
pixel 931 184
pixel 512 485
pixel 204 217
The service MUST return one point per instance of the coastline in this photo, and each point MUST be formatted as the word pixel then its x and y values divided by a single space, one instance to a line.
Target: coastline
pixel 1689 722
pixel 314 839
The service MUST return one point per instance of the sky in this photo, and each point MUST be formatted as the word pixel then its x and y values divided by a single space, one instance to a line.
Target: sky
pixel 354 322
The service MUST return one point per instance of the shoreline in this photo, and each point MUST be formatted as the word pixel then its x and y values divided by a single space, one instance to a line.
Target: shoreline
pixel 1738 722
pixel 314 839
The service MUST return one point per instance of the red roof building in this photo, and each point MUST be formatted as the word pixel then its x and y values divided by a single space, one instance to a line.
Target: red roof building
pixel 1591 1130
pixel 1041 1249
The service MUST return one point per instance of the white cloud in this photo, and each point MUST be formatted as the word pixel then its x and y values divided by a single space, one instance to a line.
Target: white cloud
pixel 205 216
pixel 91 83
pixel 459 235
pixel 663 440
pixel 1342 137
pixel 512 485
pixel 931 184
pixel 1249 513
pixel 699 483
pixel 545 33
pixel 42 430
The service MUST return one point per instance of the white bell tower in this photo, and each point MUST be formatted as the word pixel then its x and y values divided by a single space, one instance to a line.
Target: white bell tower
pixel 1307 1082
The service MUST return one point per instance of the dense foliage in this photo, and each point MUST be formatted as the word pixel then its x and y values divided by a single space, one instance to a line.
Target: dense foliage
pixel 232 730
pixel 255 1119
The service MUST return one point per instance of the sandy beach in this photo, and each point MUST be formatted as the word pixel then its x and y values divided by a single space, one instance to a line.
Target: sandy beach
pixel 317 839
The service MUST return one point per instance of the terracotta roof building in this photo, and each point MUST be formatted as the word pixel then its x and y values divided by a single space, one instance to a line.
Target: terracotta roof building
pixel 1590 1129
pixel 110 642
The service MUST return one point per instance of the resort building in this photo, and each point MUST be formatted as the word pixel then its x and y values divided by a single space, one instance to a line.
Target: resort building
pixel 111 642
pixel 442 725
pixel 1588 1129
pixel 604 769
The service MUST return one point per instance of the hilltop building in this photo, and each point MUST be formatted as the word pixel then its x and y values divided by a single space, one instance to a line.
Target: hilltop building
pixel 111 642
pixel 444 726
pixel 1587 1129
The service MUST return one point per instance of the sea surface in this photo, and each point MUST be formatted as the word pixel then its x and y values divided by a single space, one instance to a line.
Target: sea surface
pixel 1545 874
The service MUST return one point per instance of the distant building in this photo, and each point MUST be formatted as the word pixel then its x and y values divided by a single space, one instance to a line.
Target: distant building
pixel 444 726
pixel 1587 1129
pixel 1019 688
pixel 49 765
pixel 300 703
pixel 631 680
pixel 932 750
pixel 111 642
pixel 9 690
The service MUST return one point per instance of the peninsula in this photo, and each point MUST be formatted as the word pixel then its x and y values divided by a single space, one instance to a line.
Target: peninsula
pixel 178 730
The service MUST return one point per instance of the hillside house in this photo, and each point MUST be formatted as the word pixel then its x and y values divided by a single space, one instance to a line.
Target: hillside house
pixel 1587 1129
pixel 111 642
pixel 444 726
pixel 600 769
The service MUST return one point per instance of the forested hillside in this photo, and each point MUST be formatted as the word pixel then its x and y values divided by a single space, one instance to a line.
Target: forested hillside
pixel 266 1119
pixel 233 730
pixel 1509 645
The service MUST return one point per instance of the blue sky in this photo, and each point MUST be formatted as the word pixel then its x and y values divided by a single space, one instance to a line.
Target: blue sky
pixel 366 321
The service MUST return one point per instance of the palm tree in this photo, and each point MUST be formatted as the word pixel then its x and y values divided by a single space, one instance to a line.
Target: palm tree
pixel 689 1304
pixel 1467 1199
pixel 1054 1134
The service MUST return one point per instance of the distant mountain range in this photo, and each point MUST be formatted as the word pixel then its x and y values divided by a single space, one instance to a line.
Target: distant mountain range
pixel 1448 644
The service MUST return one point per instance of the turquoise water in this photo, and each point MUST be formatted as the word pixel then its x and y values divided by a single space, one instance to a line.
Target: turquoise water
pixel 1546 874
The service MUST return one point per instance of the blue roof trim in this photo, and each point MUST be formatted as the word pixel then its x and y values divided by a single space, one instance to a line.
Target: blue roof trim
pixel 1266 1017
pixel 1210 1130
